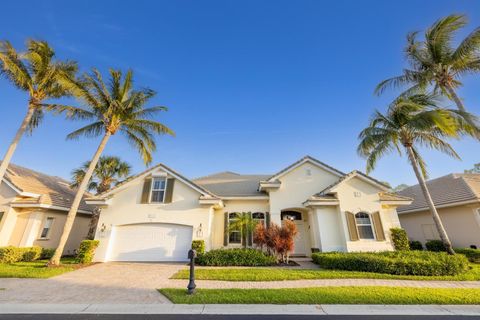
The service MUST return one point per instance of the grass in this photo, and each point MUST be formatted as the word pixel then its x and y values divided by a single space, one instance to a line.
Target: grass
pixel 326 295
pixel 279 274
pixel 36 269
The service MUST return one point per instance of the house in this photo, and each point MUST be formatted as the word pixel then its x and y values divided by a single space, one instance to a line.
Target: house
pixel 33 210
pixel 154 215
pixel 457 199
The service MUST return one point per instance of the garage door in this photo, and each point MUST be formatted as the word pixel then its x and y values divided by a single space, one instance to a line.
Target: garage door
pixel 151 242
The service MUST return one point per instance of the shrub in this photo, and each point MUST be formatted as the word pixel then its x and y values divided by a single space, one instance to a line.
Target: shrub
pixel 31 253
pixel 416 245
pixel 10 254
pixel 419 263
pixel 47 253
pixel 235 257
pixel 435 246
pixel 278 240
pixel 400 239
pixel 199 246
pixel 473 255
pixel 86 251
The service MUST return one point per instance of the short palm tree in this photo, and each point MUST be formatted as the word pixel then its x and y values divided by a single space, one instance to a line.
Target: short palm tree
pixel 35 72
pixel 113 107
pixel 411 122
pixel 245 224
pixel 435 61
pixel 110 170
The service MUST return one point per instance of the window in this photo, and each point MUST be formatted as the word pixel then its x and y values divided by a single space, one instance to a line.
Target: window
pixel 158 190
pixel 1 216
pixel 235 235
pixel 364 226
pixel 258 217
pixel 46 228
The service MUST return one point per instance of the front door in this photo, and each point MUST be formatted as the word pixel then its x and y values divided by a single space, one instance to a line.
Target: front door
pixel 299 241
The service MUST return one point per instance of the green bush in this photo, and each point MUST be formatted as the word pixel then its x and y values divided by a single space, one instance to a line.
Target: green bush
pixel 199 246
pixel 421 263
pixel 416 245
pixel 10 254
pixel 86 251
pixel 47 253
pixel 435 246
pixel 31 253
pixel 473 255
pixel 400 239
pixel 235 257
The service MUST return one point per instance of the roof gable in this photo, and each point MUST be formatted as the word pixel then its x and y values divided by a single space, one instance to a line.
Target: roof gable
pixel 306 159
pixel 231 184
pixel 354 174
pixel 142 175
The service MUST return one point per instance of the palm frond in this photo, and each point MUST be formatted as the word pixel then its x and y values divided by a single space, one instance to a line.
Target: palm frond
pixel 91 131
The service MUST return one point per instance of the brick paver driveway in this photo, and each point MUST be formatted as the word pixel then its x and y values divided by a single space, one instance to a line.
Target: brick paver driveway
pixel 134 283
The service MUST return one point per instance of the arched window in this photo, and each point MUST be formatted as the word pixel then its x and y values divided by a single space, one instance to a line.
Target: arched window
pixel 235 235
pixel 364 225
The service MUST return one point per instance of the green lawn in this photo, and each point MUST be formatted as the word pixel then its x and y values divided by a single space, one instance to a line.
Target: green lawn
pixel 36 269
pixel 326 295
pixel 278 274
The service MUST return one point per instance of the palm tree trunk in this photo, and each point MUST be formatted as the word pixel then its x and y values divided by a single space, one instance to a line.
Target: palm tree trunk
pixel 93 223
pixel 455 98
pixel 433 210
pixel 76 201
pixel 16 139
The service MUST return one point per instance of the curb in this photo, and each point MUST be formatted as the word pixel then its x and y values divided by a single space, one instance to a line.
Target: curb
pixel 243 309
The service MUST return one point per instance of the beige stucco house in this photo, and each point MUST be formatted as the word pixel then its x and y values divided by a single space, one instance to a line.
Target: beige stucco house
pixel 457 199
pixel 155 215
pixel 33 209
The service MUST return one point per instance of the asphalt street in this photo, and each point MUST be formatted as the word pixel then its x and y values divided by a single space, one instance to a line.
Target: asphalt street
pixel 223 317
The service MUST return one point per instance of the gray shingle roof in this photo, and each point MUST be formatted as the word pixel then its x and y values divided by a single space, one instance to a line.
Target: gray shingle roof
pixel 449 189
pixel 231 184
pixel 53 190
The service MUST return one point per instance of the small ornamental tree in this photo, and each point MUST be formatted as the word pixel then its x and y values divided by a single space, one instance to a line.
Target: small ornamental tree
pixel 260 236
pixel 279 241
pixel 286 241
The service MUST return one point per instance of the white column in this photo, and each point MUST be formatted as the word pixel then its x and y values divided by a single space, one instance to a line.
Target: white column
pixel 32 229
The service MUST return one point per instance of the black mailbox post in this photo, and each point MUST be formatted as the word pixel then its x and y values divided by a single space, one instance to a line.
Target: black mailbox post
pixel 191 284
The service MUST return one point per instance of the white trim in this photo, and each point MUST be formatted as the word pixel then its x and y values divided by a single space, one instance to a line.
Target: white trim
pixel 246 198
pixel 372 227
pixel 453 204
pixel 305 160
pixel 476 213
pixel 158 178
pixel 43 227
pixel 44 206
pixel 20 192
pixel 8 183
pixel 397 202
pixel 148 172
pixel 313 203
pixel 361 177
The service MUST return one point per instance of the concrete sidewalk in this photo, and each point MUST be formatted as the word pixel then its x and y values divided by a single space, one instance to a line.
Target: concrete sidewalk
pixel 464 310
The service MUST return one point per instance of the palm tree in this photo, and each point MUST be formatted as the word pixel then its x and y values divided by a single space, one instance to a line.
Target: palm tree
pixel 245 224
pixel 35 72
pixel 411 122
pixel 112 108
pixel 435 61
pixel 109 170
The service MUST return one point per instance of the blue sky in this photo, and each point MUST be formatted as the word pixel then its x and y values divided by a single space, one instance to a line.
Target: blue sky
pixel 251 85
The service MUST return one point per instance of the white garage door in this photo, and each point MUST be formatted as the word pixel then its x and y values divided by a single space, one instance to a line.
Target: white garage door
pixel 151 242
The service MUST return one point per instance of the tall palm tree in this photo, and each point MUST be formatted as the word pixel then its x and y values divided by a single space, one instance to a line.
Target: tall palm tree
pixel 112 108
pixel 110 170
pixel 411 122
pixel 435 61
pixel 35 72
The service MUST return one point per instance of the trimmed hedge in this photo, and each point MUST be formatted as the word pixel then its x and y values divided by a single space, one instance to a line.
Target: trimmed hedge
pixel 86 251
pixel 416 245
pixel 47 253
pixel 419 263
pixel 435 246
pixel 13 254
pixel 235 257
pixel 199 246
pixel 473 255
pixel 400 239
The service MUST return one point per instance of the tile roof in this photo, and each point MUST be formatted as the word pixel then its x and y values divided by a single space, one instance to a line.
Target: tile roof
pixel 306 158
pixel 389 196
pixel 231 184
pixel 52 190
pixel 449 189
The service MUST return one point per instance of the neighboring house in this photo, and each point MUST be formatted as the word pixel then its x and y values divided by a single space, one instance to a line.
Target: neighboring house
pixel 457 199
pixel 33 210
pixel 155 215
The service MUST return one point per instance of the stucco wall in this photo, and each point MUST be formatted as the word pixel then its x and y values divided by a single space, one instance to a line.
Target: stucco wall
pixel 125 208
pixel 461 224
pixel 297 186
pixel 356 195
pixel 330 228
